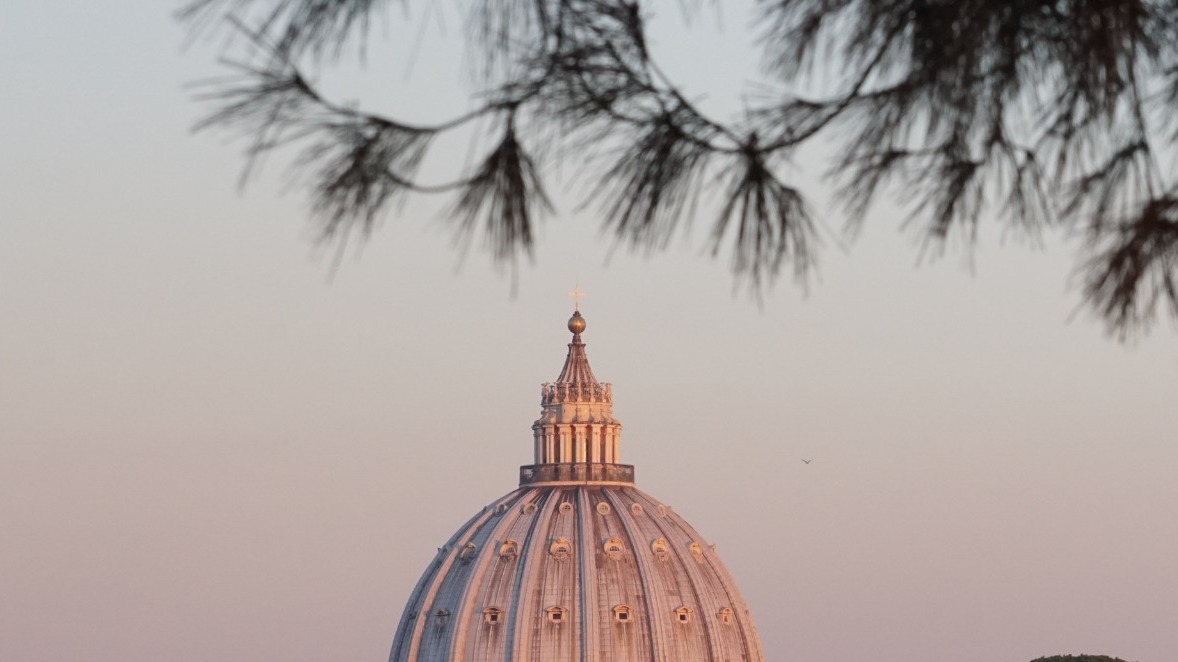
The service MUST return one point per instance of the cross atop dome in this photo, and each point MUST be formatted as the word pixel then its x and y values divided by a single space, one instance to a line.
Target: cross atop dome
pixel 576 295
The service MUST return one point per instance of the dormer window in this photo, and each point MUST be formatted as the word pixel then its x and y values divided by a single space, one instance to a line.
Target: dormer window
pixel 683 614
pixel 508 550
pixel 622 614
pixel 561 548
pixel 614 548
pixel 492 615
pixel 661 549
pixel 468 552
pixel 441 617
pixel 556 614
pixel 726 616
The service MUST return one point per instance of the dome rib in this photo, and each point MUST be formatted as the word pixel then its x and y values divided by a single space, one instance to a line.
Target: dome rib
pixel 644 571
pixel 699 598
pixel 712 560
pixel 587 596
pixel 672 574
pixel 539 572
pixel 478 594
pixel 513 623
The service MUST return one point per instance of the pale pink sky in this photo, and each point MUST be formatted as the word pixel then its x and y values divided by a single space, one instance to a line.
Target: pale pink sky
pixel 210 449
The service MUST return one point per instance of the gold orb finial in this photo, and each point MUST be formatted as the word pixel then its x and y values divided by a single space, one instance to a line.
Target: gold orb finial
pixel 576 322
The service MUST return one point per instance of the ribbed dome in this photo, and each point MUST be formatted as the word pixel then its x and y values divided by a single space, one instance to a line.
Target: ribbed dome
pixel 576 573
pixel 577 564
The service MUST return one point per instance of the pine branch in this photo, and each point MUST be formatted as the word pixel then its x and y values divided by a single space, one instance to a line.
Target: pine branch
pixel 653 185
pixel 768 220
pixel 1040 111
pixel 503 199
pixel 1133 270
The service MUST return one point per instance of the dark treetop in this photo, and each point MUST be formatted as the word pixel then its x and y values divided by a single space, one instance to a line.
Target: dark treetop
pixel 1078 658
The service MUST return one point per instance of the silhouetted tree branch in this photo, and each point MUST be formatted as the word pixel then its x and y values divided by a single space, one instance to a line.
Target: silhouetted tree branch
pixel 1033 112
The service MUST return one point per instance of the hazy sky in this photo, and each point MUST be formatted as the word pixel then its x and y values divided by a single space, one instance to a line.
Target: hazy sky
pixel 211 448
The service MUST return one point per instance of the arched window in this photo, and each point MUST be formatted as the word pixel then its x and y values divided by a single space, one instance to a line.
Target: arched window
pixel 661 550
pixel 508 550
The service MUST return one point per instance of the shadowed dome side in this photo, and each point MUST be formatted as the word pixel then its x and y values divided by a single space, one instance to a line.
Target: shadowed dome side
pixel 576 573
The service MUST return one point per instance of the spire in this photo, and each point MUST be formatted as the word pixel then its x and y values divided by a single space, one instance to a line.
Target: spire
pixel 577 439
pixel 576 366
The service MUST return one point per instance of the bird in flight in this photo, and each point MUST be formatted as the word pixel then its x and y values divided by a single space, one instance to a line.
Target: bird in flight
pixel 808 461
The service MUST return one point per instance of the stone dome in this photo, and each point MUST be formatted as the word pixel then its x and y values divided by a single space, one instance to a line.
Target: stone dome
pixel 577 564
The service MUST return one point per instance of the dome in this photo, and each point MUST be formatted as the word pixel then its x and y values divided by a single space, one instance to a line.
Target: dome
pixel 576 564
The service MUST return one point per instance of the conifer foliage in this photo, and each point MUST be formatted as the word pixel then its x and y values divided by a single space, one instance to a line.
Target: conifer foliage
pixel 1032 112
